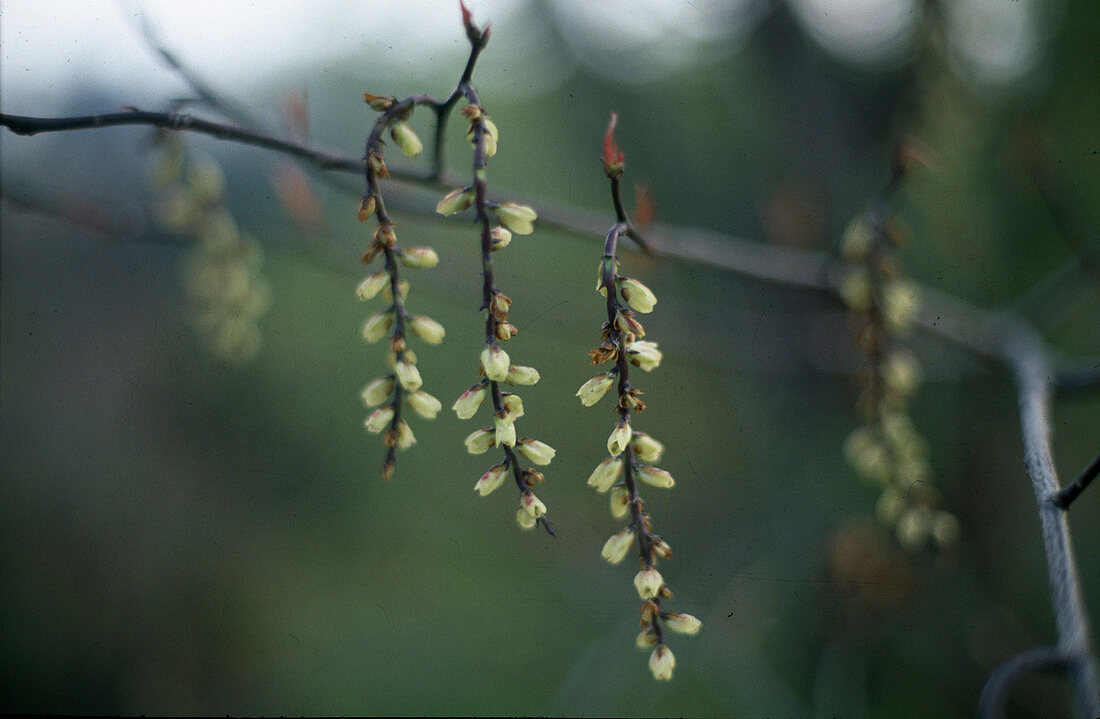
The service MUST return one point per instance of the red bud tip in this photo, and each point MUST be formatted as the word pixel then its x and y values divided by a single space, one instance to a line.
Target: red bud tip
pixel 612 157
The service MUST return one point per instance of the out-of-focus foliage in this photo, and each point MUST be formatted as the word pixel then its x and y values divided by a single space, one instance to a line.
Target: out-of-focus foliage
pixel 179 535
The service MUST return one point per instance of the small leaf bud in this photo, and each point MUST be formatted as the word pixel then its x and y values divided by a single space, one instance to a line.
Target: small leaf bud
pixel 617 545
pixel 378 391
pixel 606 474
pixel 455 201
pixel 466 405
pixel 516 217
pixel 495 362
pixel 661 663
pixel 656 477
pixel 424 404
pixel 536 451
pixel 491 480
pixel 427 329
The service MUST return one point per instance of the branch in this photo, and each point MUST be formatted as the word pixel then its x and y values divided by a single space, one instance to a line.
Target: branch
pixel 991 704
pixel 1065 496
pixel 1031 364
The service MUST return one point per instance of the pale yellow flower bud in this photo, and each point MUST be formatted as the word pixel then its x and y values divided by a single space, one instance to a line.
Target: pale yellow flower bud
pixel 408 375
pixel 406 139
pixel 206 181
pixel 945 529
pixel 405 438
pixel 618 439
pixel 505 432
pixel 379 419
pixel 371 286
pixel 525 520
pixel 683 623
pixel 856 290
pixel 617 545
pixel 500 237
pixel 427 329
pixel 456 201
pixel 480 441
pixel 661 663
pixel 646 448
pixel 516 217
pixel 532 505
pixel 491 135
pixel 424 404
pixel 513 406
pixel 520 375
pixel 890 505
pixel 606 474
pixel 644 354
pixel 855 245
pixel 491 480
pixel 645 639
pixel 626 323
pixel 466 405
pixel 867 455
pixel 402 290
pixel 594 389
pixel 377 325
pixel 912 528
pixel 536 451
pixel 656 477
pixel 637 295
pixel 620 502
pixel 378 391
pixel 495 362
pixel 366 208
pixel 648 582
pixel 900 304
pixel 901 372
pixel 419 257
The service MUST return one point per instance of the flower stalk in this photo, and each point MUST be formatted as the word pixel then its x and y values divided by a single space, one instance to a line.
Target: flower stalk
pixel 631 452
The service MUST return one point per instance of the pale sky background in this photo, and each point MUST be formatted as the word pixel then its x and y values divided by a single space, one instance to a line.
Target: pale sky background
pixel 51 49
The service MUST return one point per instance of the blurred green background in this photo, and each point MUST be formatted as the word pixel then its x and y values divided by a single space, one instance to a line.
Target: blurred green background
pixel 184 535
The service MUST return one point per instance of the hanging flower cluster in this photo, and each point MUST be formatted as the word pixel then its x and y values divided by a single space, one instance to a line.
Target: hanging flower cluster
pixel 494 364
pixel 886 450
pixel 221 268
pixel 631 454
pixel 401 386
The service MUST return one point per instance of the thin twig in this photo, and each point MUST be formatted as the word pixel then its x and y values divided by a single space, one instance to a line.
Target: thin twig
pixel 1065 496
pixel 994 698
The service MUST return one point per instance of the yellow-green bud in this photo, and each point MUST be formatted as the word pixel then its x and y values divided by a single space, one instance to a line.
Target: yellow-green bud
pixel 900 305
pixel 466 405
pixel 371 286
pixel 379 419
pixel 646 638
pixel 456 201
pixel 594 389
pixel 648 582
pixel 626 323
pixel 505 432
pixel 513 406
pixel 620 502
pixel 408 375
pixel 606 474
pixel 378 391
pixel 644 354
pixel 491 480
pixel 491 135
pixel 520 375
pixel 532 505
pixel 516 217
pixel 480 441
pixel 661 663
pixel 617 545
pixel 637 295
pixel 536 451
pixel 207 181
pixel 683 623
pixel 855 245
pixel 405 438
pixel 419 257
pixel 427 329
pixel 495 362
pixel 424 404
pixel 945 529
pixel 618 439
pixel 856 290
pixel 646 448
pixel 377 325
pixel 525 520
pixel 500 238
pixel 402 290
pixel 656 477
pixel 406 139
